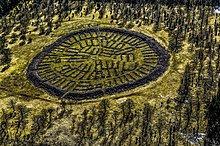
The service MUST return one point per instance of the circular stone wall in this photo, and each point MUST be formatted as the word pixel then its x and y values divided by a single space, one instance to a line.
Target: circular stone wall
pixel 93 62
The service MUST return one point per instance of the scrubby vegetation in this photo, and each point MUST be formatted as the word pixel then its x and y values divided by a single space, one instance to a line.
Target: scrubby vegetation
pixel 7 5
pixel 126 124
pixel 186 116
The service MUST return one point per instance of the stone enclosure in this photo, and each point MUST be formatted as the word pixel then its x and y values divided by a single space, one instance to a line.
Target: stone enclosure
pixel 96 61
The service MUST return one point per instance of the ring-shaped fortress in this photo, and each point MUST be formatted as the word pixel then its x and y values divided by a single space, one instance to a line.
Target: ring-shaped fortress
pixel 96 61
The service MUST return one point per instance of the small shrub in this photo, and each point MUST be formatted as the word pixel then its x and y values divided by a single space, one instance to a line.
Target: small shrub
pixel 5 57
pixel 22 43
pixel 29 40
pixel 17 28
pixel 23 37
pixel 12 41
pixel 42 31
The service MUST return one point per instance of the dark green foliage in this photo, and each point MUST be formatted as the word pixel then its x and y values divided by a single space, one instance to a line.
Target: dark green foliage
pixel 42 30
pixel 102 115
pixel 184 88
pixel 213 115
pixel 7 5
pixel 29 40
pixel 5 55
pixel 127 113
pixel 14 127
pixel 22 43
pixel 175 41
pixel 23 37
pixel 146 133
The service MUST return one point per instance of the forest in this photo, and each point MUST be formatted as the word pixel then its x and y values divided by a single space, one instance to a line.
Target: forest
pixel 180 108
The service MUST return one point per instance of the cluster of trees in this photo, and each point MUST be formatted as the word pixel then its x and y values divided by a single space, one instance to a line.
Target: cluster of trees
pixel 126 124
pixel 106 124
pixel 41 15
pixel 213 130
pixel 170 2
pixel 198 92
pixel 5 55
pixel 7 5
pixel 15 127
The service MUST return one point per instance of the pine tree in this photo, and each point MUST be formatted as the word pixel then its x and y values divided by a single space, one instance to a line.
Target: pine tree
pixel 176 40
pixel 213 115
pixel 184 89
